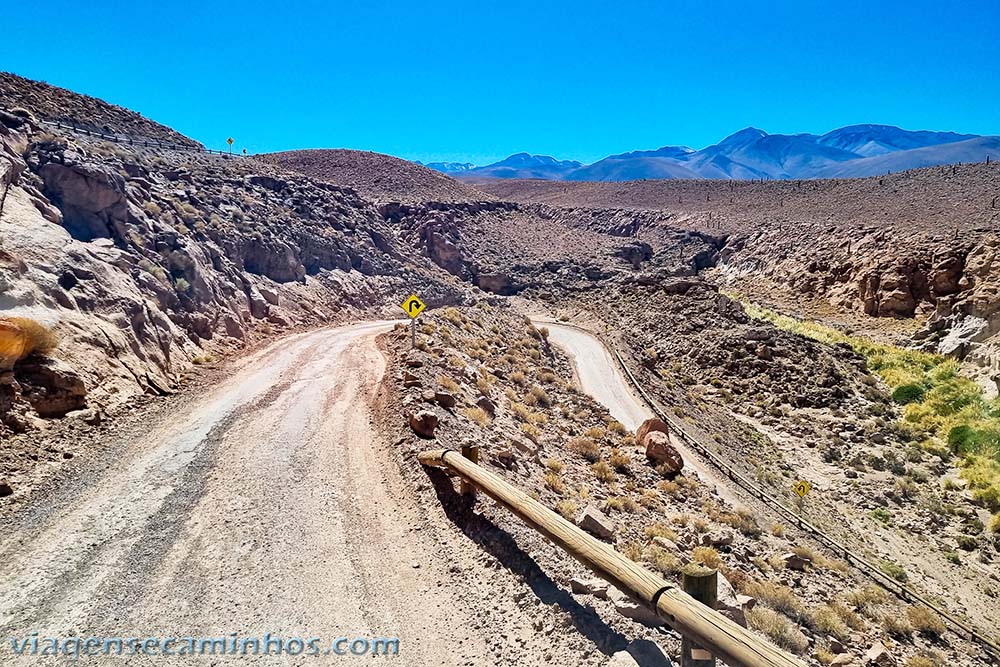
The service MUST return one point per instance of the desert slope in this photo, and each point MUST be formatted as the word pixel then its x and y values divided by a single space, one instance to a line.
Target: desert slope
pixel 58 104
pixel 376 176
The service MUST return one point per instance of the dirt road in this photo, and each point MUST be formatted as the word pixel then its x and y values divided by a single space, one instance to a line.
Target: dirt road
pixel 600 376
pixel 268 506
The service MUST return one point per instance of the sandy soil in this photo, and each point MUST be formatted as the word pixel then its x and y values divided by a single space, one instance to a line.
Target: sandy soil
pixel 268 506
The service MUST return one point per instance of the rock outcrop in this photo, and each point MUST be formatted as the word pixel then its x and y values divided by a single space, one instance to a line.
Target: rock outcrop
pixel 142 259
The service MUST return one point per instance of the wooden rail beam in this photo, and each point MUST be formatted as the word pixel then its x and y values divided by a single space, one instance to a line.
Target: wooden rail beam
pixel 732 643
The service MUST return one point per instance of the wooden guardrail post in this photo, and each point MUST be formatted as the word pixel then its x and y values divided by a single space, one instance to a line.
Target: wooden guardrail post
pixel 701 583
pixel 470 452
pixel 730 642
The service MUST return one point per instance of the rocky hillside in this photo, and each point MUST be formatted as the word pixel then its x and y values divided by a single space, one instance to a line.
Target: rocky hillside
pixel 915 247
pixel 377 176
pixel 486 376
pixel 58 104
pixel 144 262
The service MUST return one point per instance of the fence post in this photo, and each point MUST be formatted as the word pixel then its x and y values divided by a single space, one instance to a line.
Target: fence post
pixel 701 583
pixel 470 452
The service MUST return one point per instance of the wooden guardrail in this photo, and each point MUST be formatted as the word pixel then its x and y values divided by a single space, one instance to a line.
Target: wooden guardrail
pixel 143 142
pixel 706 627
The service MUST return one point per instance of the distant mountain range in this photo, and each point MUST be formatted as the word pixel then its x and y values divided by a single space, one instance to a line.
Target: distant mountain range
pixel 848 152
pixel 448 167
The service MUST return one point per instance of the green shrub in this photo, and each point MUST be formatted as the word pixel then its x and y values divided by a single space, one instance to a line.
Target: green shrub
pixel 945 411
pixel 908 393
pixel 881 515
pixel 893 571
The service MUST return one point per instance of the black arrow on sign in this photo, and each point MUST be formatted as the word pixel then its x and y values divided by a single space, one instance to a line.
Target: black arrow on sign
pixel 411 305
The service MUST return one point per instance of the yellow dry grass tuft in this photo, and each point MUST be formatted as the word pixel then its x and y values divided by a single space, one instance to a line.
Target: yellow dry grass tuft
pixel 586 448
pixel 778 629
pixel 478 415
pixel 21 337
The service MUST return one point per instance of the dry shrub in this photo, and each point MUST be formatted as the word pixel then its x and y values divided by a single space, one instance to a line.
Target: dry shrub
pixel 778 529
pixel 521 411
pixel 868 600
pixel 532 432
pixel 617 427
pixel 554 482
pixel 632 551
pixel 778 597
pixel 897 624
pixel 778 629
pixel 555 465
pixel 603 471
pixel 621 504
pixel 478 415
pixel 742 520
pixel 619 460
pixel 828 621
pixel 825 656
pixel 586 448
pixel 668 487
pixel 662 560
pixel 660 530
pixel 707 556
pixel 567 508
pixel 925 659
pixel 539 396
pixel 34 338
pixel 448 384
pixel 650 499
pixel 926 622
pixel 847 615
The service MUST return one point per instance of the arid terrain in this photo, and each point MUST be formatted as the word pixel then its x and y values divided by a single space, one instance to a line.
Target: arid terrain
pixel 204 392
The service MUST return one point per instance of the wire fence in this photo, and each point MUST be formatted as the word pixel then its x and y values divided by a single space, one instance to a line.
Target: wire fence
pixel 899 589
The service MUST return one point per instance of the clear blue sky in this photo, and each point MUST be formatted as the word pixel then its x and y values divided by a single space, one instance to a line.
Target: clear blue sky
pixel 476 81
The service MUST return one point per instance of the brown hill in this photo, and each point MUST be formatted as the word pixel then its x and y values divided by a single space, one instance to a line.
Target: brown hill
pixel 52 103
pixel 377 176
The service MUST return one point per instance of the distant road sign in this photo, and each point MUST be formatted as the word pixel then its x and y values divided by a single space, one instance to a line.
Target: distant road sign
pixel 802 488
pixel 413 305
pixel 229 141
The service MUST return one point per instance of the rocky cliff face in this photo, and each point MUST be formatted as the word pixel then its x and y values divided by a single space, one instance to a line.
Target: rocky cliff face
pixel 949 287
pixel 145 260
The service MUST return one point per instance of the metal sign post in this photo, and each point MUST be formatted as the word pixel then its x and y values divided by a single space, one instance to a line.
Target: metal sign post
pixel 413 307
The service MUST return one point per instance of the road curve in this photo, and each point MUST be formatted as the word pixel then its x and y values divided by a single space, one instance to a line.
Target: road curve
pixel 267 507
pixel 601 377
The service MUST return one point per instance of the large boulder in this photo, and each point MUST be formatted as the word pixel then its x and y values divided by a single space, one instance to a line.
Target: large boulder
pixel 662 453
pixel 424 423
pixel 52 387
pixel 445 399
pixel 650 426
pixel 497 283
pixel 91 197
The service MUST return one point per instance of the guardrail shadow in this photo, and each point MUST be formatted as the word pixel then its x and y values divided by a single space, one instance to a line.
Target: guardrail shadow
pixel 498 543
